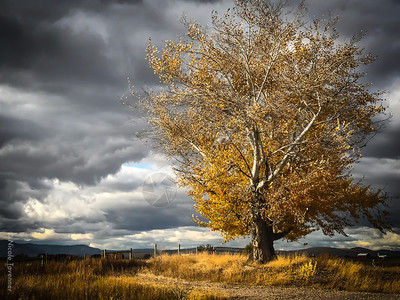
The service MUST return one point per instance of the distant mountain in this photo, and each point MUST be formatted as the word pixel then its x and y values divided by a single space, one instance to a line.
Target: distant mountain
pixel 32 250
pixel 343 252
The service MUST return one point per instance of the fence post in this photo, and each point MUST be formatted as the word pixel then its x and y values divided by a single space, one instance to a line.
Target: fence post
pixel 43 260
pixel 197 250
pixel 131 254
pixel 103 254
pixel 155 250
pixel 179 249
pixel 84 256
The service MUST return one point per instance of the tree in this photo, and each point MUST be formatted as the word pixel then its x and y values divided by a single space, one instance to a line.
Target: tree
pixel 264 116
pixel 206 248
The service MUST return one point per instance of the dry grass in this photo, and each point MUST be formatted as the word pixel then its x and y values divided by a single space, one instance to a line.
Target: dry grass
pixel 91 279
pixel 113 279
pixel 227 268
pixel 337 273
pixel 76 286
pixel 300 270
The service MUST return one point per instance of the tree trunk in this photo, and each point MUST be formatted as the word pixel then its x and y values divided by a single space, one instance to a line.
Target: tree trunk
pixel 263 241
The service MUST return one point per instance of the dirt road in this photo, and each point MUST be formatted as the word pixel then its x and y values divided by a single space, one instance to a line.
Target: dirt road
pixel 265 292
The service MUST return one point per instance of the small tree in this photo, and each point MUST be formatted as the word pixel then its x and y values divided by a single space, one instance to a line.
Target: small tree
pixel 206 248
pixel 248 251
pixel 264 116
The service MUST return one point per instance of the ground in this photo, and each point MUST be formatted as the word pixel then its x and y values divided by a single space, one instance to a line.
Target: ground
pixel 264 292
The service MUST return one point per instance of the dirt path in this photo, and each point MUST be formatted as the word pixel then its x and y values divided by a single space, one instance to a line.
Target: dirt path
pixel 264 292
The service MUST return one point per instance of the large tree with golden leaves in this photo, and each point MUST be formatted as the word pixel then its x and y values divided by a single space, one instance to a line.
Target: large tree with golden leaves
pixel 264 114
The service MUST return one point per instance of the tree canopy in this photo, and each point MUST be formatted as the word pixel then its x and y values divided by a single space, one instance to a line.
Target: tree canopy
pixel 265 114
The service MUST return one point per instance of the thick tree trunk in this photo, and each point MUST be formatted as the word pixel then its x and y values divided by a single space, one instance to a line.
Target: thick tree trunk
pixel 263 241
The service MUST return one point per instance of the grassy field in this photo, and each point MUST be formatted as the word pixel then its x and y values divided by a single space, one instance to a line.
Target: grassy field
pixel 117 279
pixel 90 279
pixel 322 272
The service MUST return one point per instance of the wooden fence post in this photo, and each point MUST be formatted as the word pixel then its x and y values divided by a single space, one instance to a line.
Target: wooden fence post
pixel 131 254
pixel 103 254
pixel 155 250
pixel 43 260
pixel 197 250
pixel 179 249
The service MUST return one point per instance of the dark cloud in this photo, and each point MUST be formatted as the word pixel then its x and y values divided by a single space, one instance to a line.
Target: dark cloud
pixel 66 123
pixel 63 65
pixel 149 218
pixel 377 20
pixel 204 1
pixel 12 128
pixel 382 173
pixel 42 47
pixel 384 144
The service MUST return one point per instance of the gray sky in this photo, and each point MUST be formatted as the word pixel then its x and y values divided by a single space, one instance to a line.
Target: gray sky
pixel 72 170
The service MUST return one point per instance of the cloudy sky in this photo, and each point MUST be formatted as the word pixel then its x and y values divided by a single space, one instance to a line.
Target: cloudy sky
pixel 71 168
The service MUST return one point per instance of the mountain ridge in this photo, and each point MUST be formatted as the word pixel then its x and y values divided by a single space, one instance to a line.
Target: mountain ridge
pixel 32 249
pixel 344 252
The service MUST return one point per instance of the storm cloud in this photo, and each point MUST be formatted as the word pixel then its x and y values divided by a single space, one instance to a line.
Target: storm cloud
pixel 71 166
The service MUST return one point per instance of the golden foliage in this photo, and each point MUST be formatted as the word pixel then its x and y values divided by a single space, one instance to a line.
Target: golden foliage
pixel 265 116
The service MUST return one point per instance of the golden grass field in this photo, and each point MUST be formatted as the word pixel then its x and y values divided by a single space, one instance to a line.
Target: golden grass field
pixel 126 279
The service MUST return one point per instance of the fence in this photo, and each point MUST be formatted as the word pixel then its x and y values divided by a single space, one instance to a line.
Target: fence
pixel 127 254
pixel 147 253
pixel 123 254
pixel 42 258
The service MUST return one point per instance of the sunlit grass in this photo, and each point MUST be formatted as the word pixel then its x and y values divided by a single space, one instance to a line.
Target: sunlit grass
pixel 76 286
pixel 91 279
pixel 228 268
pixel 298 270
pixel 338 273
pixel 116 279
